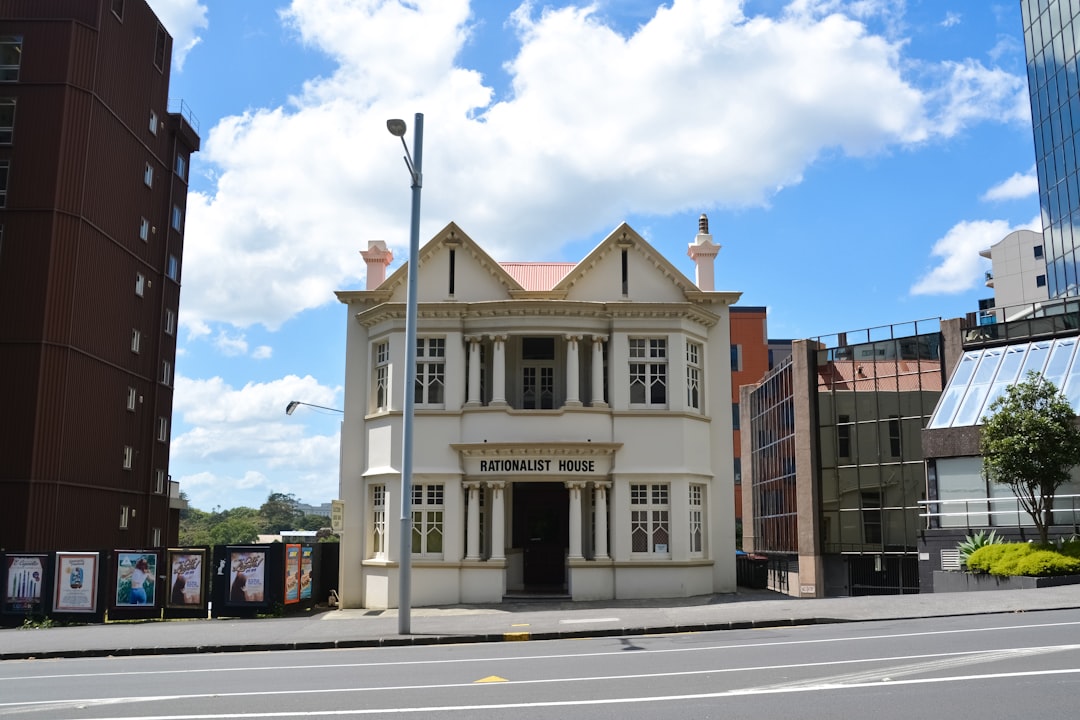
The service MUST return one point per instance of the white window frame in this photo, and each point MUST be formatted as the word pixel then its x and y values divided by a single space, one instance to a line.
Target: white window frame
pixel 378 521
pixel 125 514
pixel 136 340
pixel 648 371
pixel 181 166
pixel 7 128
pixel 148 176
pixel 380 391
pixel 163 429
pixel 172 268
pixel 140 284
pixel 144 230
pixel 693 375
pixel 129 457
pixel 166 372
pixel 132 398
pixel 428 516
pixel 697 519
pixel 430 387
pixel 650 519
pixel 159 482
pixel 155 537
pixel 153 122
pixel 170 321
pixel 177 218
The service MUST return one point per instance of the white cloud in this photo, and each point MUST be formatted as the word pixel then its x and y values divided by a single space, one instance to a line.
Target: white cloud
pixel 231 345
pixel 961 267
pixel 951 19
pixel 1020 185
pixel 183 19
pixel 742 109
pixel 263 352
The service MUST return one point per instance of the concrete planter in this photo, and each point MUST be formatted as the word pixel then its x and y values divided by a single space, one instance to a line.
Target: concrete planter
pixel 947 581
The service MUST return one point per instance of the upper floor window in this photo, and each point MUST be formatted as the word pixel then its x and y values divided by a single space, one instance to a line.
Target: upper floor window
pixel 7 120
pixel 378 521
pixel 693 376
pixel 159 482
pixel 166 372
pixel 153 122
pixel 843 436
pixel 136 340
pixel 1040 281
pixel 1038 251
pixel 159 48
pixel 10 57
pixel 181 165
pixel 129 457
pixel 381 390
pixel 4 167
pixel 430 371
pixel 649 519
pixel 172 269
pixel 118 9
pixel 132 398
pixel 736 358
pixel 163 429
pixel 697 525
pixel 170 321
pixel 648 371
pixel 177 218
pixel 144 229
pixel 148 175
pixel 125 513
pixel 140 284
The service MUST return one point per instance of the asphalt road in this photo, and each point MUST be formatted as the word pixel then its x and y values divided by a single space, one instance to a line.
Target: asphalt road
pixel 988 666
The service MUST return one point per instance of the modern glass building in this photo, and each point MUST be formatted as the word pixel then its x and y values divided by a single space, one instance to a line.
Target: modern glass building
pixel 1052 40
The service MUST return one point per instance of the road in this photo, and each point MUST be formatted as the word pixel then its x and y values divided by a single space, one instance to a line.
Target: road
pixel 986 666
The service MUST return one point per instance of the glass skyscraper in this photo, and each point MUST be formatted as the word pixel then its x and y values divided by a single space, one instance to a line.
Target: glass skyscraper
pixel 1052 41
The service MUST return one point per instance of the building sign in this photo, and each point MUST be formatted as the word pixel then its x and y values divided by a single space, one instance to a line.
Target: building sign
pixel 337 515
pixel 531 465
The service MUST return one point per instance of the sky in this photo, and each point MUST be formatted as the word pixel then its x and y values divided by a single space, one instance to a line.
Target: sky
pixel 853 158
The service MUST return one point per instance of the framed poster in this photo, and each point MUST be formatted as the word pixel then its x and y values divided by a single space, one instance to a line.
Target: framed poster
pixel 75 582
pixel 247 575
pixel 136 578
pixel 305 572
pixel 25 581
pixel 186 574
pixel 292 574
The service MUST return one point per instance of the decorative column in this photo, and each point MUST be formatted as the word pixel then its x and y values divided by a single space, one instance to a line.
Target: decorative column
pixel 572 370
pixel 598 370
pixel 498 521
pixel 575 487
pixel 498 371
pixel 600 490
pixel 472 550
pixel 474 371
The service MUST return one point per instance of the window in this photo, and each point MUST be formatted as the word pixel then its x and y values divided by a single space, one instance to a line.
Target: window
pixel 144 229
pixel 140 284
pixel 378 521
pixel 153 122
pixel 430 371
pixel 427 520
pixel 693 376
pixel 4 165
pixel 737 463
pixel 181 166
pixel 894 436
pixel 736 358
pixel 136 339
pixel 118 9
pixel 155 537
pixel 537 373
pixel 177 218
pixel 172 269
pixel 697 527
pixel 648 371
pixel 148 175
pixel 125 513
pixel 159 48
pixel 129 454
pixel 7 120
pixel 649 525
pixel 132 398
pixel 382 376
pixel 735 416
pixel 10 57
pixel 163 429
pixel 843 436
pixel 159 482
pixel 871 517
pixel 166 372
pixel 1038 251
pixel 1040 281
pixel 170 321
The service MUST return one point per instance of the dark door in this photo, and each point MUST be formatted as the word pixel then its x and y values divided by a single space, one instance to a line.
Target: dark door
pixel 542 529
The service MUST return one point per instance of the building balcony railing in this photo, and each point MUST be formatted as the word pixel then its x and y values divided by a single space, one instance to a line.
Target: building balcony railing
pixel 996 512
pixel 996 326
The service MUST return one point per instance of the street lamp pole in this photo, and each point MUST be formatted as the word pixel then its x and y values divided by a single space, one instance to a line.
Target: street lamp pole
pixel 414 162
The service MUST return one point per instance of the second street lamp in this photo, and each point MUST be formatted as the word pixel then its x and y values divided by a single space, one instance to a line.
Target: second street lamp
pixel 414 163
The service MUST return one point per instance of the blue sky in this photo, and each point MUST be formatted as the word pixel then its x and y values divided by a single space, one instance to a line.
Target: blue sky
pixel 853 158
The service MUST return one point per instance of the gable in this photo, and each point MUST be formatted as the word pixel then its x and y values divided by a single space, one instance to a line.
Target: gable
pixel 649 276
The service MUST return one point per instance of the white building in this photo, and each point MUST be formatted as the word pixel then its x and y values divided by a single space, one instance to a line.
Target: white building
pixel 1018 273
pixel 573 426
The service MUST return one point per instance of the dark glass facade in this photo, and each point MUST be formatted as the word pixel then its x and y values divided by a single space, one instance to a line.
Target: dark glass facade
pixel 1052 40
pixel 772 413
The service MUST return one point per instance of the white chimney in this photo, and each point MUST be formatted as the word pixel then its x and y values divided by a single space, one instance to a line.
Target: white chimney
pixel 703 252
pixel 377 258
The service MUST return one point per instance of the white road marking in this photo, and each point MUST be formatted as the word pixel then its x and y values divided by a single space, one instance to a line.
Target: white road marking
pixel 37 664
pixel 587 620
pixel 602 701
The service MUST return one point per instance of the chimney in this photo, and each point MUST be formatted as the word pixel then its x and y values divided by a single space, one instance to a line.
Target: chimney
pixel 377 258
pixel 703 252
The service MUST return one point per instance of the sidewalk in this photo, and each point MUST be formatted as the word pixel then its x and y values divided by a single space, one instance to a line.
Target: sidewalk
pixel 517 621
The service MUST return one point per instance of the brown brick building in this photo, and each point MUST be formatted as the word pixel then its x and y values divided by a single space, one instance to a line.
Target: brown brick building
pixel 93 194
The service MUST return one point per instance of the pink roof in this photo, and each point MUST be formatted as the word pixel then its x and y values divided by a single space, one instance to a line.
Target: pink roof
pixel 538 276
pixel 870 375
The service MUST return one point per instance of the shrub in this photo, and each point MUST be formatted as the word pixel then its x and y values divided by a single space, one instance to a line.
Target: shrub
pixel 973 542
pixel 1025 559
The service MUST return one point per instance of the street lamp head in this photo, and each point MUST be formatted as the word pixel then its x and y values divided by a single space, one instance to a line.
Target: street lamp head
pixel 291 406
pixel 396 127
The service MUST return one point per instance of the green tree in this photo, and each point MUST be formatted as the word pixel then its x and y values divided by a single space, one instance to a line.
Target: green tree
pixel 280 512
pixel 1030 442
